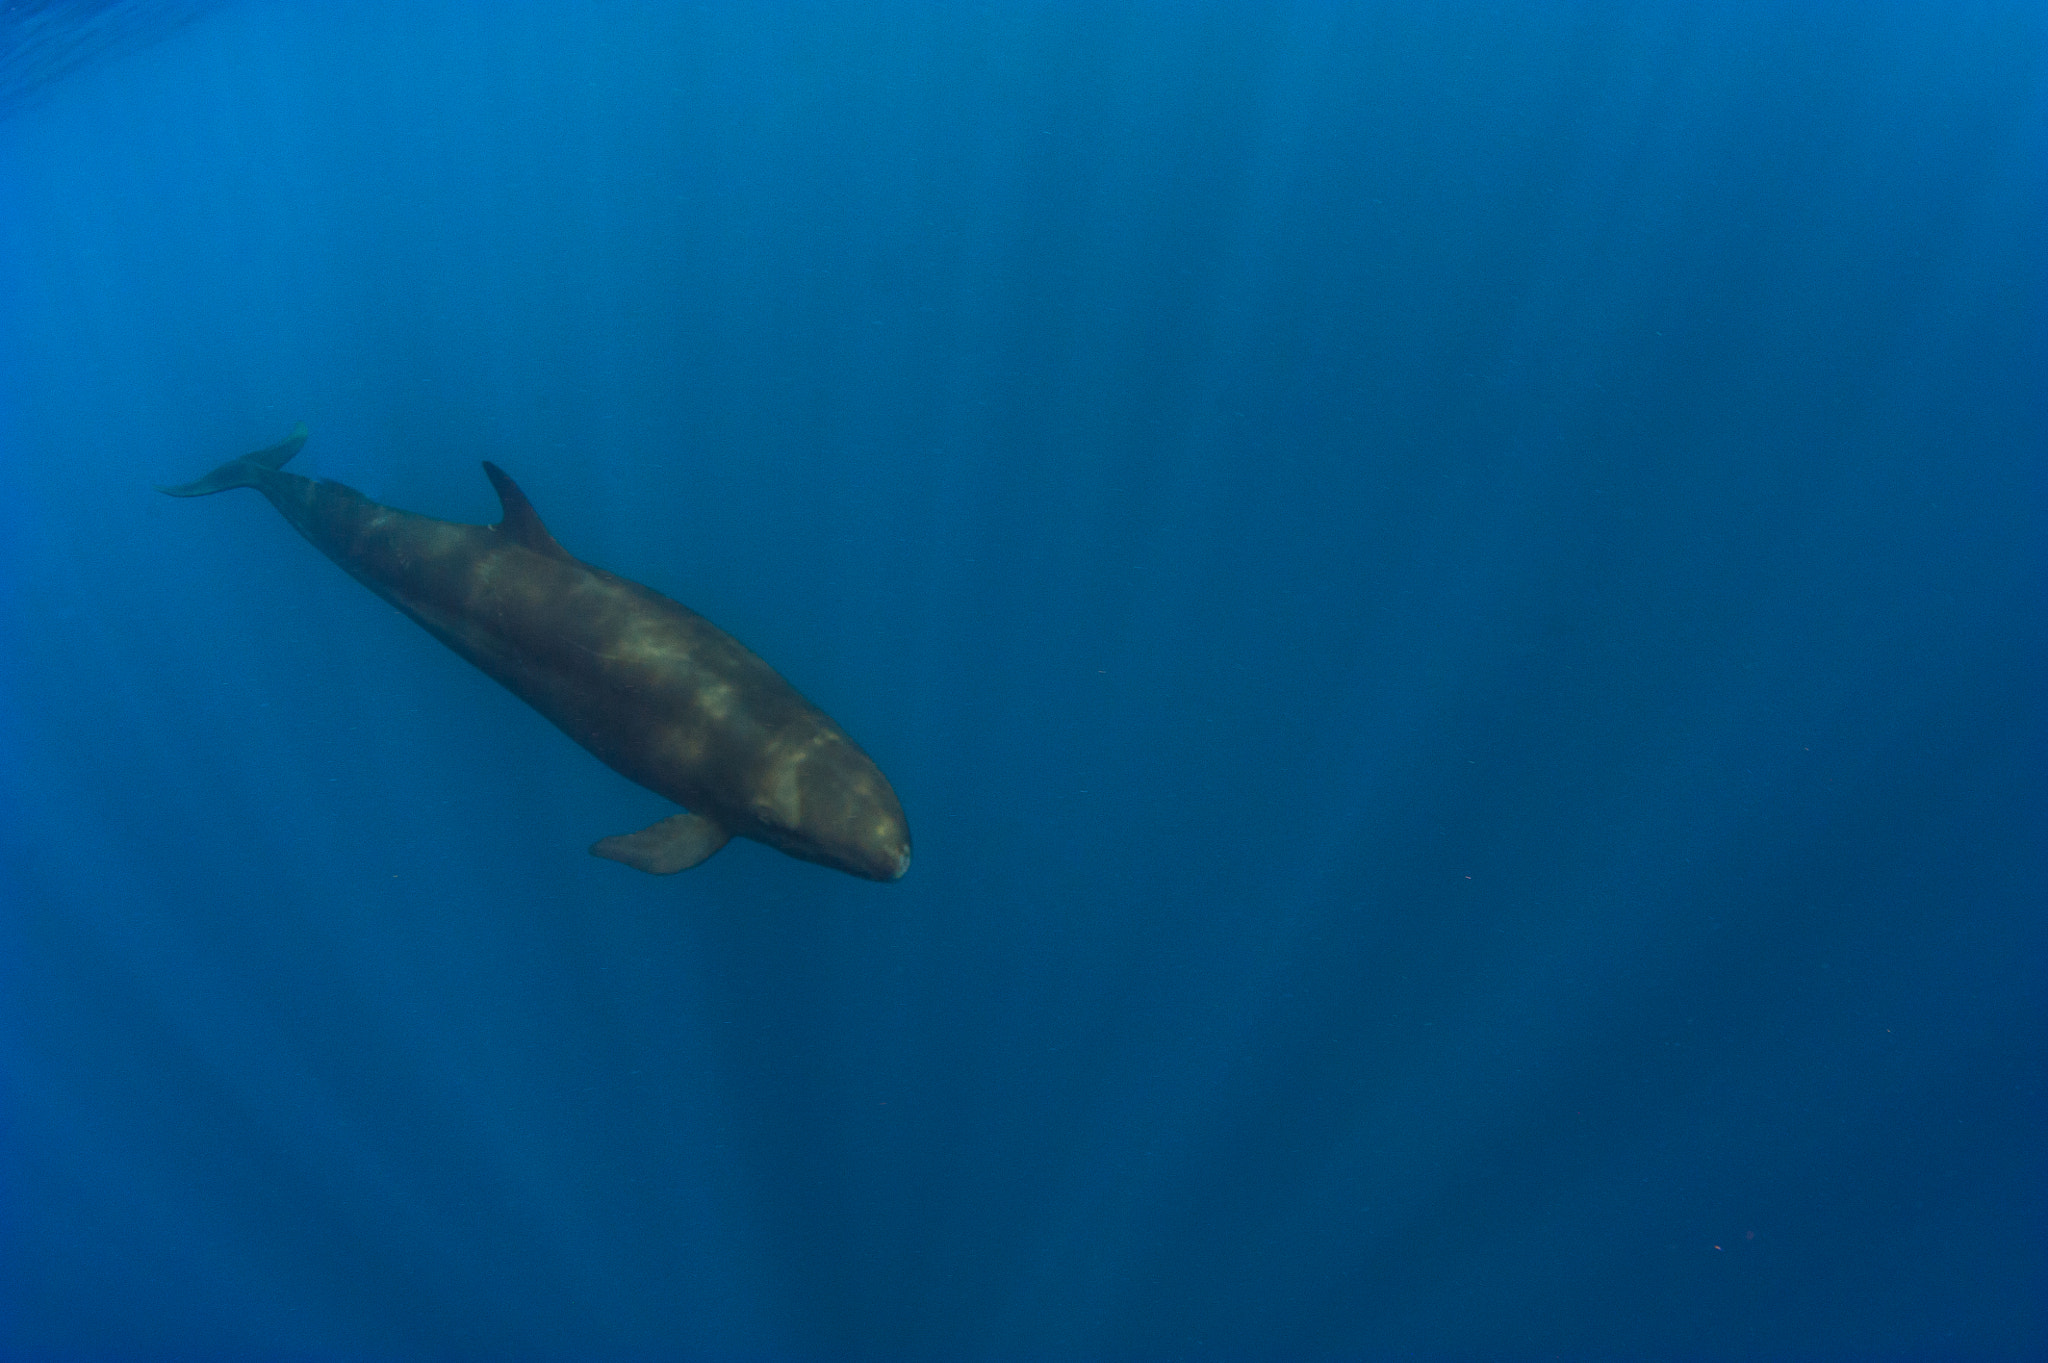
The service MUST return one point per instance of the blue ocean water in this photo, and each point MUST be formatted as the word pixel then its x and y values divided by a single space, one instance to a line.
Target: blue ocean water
pixel 1454 594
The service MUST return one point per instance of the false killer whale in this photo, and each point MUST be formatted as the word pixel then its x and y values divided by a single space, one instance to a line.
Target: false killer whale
pixel 657 692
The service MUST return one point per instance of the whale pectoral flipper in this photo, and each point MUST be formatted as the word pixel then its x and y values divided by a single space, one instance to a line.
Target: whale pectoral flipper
pixel 675 844
pixel 246 471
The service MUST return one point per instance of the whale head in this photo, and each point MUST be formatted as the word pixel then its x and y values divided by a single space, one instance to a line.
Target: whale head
pixel 825 801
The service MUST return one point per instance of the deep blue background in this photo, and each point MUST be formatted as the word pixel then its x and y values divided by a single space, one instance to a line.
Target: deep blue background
pixel 1454 593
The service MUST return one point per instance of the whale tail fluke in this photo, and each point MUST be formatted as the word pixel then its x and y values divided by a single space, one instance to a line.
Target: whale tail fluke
pixel 247 471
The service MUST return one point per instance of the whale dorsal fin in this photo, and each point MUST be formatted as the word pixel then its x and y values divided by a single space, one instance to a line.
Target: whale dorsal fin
pixel 522 523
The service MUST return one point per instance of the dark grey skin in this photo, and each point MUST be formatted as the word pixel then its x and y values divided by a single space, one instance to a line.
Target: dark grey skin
pixel 660 694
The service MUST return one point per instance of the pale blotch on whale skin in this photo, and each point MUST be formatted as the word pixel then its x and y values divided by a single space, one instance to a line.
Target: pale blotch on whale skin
pixel 654 690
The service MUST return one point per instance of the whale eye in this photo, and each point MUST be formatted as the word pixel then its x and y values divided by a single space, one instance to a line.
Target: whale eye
pixel 781 805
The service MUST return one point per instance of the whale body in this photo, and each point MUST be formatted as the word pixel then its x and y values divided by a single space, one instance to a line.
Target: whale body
pixel 652 689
